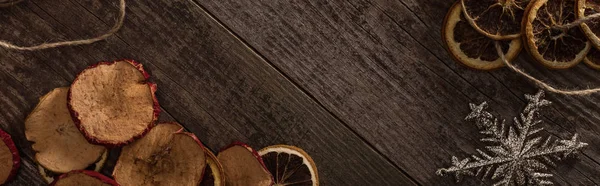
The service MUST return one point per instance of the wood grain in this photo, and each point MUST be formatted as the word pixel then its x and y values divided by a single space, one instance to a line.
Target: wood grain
pixel 364 86
pixel 208 80
pixel 380 67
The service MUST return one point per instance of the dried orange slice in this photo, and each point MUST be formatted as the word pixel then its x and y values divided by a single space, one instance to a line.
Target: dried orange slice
pixel 496 19
pixel 470 47
pixel 591 29
pixel 290 165
pixel 547 42
pixel 214 174
pixel 593 59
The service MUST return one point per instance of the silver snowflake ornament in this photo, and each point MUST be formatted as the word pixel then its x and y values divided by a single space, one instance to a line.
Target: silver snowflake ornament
pixel 516 155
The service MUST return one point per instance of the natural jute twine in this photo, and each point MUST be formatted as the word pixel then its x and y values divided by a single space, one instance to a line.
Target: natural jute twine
pixel 540 83
pixel 9 3
pixel 42 46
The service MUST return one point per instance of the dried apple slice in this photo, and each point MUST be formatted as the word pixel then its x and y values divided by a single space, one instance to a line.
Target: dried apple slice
pixel 243 166
pixel 166 156
pixel 496 19
pixel 9 158
pixel 59 145
pixel 213 174
pixel 113 103
pixel 472 48
pixel 83 177
pixel 546 39
pixel 50 176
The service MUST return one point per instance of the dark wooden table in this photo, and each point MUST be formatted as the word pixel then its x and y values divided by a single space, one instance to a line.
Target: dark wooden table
pixel 364 86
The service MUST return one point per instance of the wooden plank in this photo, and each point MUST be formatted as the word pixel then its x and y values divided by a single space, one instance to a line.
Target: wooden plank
pixel 381 68
pixel 208 80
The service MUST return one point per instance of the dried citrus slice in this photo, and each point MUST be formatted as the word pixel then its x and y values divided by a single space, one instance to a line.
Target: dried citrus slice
pixel 547 42
pixel 290 165
pixel 113 103
pixel 213 174
pixel 50 176
pixel 470 47
pixel 9 158
pixel 59 145
pixel 496 19
pixel 83 177
pixel 593 59
pixel 243 166
pixel 166 156
pixel 591 29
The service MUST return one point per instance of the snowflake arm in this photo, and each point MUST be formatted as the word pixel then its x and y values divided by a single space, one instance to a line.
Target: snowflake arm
pixel 516 154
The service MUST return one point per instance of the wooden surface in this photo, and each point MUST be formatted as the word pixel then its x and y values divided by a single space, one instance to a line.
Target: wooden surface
pixel 364 86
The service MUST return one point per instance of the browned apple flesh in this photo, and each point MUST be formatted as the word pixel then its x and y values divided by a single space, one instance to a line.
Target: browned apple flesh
pixel 243 166
pixel 59 145
pixel 112 103
pixel 83 177
pixel 166 156
pixel 9 158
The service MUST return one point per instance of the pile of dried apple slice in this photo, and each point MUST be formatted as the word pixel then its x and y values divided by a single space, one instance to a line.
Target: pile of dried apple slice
pixel 113 105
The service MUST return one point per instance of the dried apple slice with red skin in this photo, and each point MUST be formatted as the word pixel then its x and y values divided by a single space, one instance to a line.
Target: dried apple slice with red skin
pixel 50 176
pixel 213 174
pixel 83 177
pixel 165 156
pixel 10 161
pixel 112 103
pixel 59 145
pixel 244 166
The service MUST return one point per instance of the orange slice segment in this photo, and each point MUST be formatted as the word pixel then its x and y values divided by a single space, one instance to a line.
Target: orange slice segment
pixel 472 48
pixel 546 41
pixel 290 165
pixel 496 19
pixel 591 28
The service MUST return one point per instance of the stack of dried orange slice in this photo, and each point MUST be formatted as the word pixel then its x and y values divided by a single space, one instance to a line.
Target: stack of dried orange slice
pixel 548 29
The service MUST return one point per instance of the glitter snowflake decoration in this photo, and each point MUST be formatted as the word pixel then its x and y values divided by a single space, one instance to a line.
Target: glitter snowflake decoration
pixel 516 155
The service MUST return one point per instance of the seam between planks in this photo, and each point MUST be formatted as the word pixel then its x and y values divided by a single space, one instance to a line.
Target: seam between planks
pixel 263 58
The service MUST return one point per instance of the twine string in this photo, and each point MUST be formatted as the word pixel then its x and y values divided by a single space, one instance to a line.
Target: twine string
pixel 9 3
pixel 578 22
pixel 538 82
pixel 42 46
